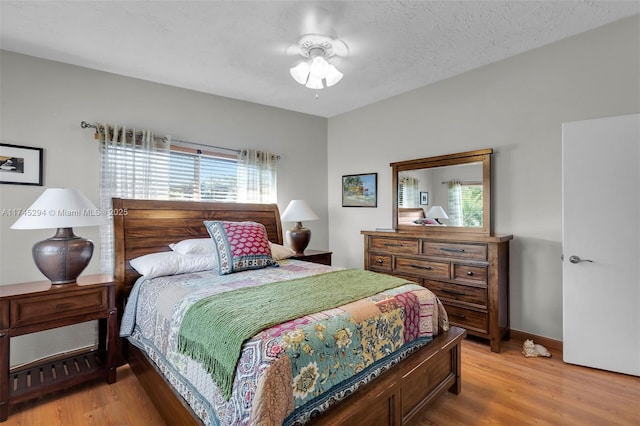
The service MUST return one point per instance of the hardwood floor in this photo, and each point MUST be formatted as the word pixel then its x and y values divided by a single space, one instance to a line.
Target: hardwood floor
pixel 497 389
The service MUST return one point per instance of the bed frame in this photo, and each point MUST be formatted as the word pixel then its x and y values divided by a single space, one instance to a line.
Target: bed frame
pixel 395 397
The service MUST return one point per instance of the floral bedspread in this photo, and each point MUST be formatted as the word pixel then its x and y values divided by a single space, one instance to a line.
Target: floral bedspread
pixel 290 372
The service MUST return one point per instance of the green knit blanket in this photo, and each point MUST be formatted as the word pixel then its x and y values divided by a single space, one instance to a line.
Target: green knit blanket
pixel 214 328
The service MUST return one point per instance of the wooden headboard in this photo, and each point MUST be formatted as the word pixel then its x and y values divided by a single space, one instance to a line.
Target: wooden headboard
pixel 148 226
pixel 406 215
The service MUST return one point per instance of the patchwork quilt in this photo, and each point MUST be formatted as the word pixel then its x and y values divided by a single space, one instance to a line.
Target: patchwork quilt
pixel 289 372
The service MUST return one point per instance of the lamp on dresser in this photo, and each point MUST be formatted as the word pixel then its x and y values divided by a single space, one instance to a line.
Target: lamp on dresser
pixel 436 213
pixel 63 257
pixel 299 236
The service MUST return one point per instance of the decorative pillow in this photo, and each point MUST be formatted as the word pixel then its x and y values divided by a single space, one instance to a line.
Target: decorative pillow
pixel 240 245
pixel 171 263
pixel 279 252
pixel 194 246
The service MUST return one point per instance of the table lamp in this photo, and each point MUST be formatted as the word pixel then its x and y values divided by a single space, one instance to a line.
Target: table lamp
pixel 299 236
pixel 436 213
pixel 63 257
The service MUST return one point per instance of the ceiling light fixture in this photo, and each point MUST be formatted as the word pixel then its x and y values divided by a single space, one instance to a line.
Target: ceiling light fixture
pixel 317 72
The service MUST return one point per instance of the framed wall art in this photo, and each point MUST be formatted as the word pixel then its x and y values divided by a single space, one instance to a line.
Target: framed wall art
pixel 20 165
pixel 360 190
pixel 424 198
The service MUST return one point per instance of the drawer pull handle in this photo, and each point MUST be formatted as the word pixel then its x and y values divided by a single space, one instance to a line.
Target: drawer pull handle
pixel 380 261
pixel 428 268
pixel 458 315
pixel 459 293
pixel 392 245
pixel 64 305
pixel 470 273
pixel 453 250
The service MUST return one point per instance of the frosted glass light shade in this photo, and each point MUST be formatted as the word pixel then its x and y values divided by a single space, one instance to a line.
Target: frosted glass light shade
pixel 319 67
pixel 297 211
pixel 314 83
pixel 300 72
pixel 60 208
pixel 316 74
pixel 333 76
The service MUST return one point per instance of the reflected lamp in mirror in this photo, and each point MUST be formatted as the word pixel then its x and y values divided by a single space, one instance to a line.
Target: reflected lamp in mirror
pixel 299 236
pixel 436 213
pixel 63 257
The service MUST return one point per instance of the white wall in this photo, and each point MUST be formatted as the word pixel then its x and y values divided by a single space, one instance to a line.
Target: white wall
pixel 42 105
pixel 516 107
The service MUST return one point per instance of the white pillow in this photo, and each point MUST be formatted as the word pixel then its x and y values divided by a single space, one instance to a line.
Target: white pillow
pixel 194 246
pixel 279 252
pixel 171 263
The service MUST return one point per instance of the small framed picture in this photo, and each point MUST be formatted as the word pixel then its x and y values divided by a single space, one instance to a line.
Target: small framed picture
pixel 424 198
pixel 20 165
pixel 360 190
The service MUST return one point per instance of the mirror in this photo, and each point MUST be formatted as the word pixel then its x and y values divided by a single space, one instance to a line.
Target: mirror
pixel 448 193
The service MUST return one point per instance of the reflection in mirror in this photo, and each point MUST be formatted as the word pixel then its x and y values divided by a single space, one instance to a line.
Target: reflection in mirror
pixel 448 195
pixel 443 194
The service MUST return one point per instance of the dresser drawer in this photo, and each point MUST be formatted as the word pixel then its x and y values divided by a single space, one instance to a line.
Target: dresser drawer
pixel 396 245
pixel 380 262
pixel 470 274
pixel 461 293
pixel 423 267
pixel 46 308
pixel 455 250
pixel 467 318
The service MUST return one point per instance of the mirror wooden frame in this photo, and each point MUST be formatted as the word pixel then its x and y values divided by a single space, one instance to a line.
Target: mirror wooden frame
pixel 482 155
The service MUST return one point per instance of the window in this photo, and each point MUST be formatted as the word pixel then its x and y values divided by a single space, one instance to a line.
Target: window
pixel 202 176
pixel 472 203
pixel 408 194
pixel 152 168
pixel 465 203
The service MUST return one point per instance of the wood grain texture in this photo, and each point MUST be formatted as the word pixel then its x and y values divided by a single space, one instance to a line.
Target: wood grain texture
pixel 499 388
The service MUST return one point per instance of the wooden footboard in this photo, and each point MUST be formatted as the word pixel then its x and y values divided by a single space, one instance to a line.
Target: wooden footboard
pixel 394 398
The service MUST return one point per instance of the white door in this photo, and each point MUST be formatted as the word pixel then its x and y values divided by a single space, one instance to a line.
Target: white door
pixel 601 243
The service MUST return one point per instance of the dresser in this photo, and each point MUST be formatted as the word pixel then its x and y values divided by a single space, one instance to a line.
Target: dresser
pixel 468 272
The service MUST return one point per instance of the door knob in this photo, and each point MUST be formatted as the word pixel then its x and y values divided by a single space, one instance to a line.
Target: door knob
pixel 576 259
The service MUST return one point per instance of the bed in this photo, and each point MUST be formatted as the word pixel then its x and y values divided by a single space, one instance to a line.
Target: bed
pixel 389 394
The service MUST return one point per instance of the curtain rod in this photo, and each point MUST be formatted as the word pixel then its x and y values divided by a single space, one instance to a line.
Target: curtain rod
pixel 86 125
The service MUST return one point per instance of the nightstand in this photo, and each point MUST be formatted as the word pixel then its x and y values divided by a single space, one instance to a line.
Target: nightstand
pixel 37 306
pixel 315 256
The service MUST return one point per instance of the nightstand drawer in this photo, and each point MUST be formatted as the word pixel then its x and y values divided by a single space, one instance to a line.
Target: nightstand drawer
pixel 423 267
pixel 49 307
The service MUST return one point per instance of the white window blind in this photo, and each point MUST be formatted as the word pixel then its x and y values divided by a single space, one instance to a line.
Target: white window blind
pixel 203 176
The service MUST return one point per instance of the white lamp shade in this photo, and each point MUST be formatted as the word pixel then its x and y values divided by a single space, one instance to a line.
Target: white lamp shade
pixel 60 208
pixel 298 211
pixel 437 212
pixel 300 72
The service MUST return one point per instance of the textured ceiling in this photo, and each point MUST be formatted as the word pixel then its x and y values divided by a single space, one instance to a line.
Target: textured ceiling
pixel 242 49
